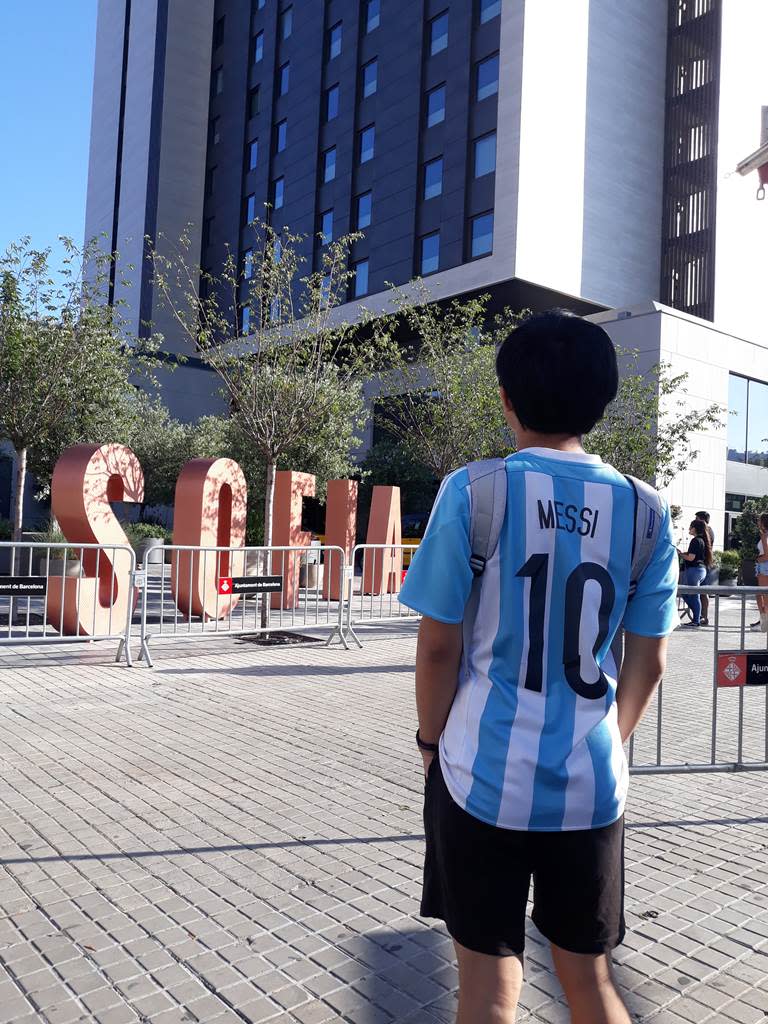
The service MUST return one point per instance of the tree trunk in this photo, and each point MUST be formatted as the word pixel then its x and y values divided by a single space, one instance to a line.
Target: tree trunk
pixel 269 501
pixel 18 502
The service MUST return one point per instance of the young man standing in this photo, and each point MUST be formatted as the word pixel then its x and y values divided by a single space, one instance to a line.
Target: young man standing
pixel 521 715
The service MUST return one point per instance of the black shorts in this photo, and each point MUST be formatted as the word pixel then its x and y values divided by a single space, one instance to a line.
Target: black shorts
pixel 477 877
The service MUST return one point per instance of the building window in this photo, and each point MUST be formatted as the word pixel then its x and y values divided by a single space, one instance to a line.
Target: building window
pixel 438 33
pixel 215 131
pixel 245 319
pixel 253 155
pixel 489 9
pixel 485 155
pixel 218 32
pixel 435 106
pixel 360 282
pixel 254 102
pixel 248 264
pixel 284 78
pixel 332 103
pixel 278 193
pixel 370 78
pixel 747 421
pixel 488 77
pixel 364 211
pixel 367 143
pixel 372 15
pixel 218 81
pixel 210 181
pixel 329 164
pixel 286 23
pixel 260 5
pixel 326 227
pixel 429 253
pixel 482 235
pixel 250 208
pixel 281 136
pixel 334 40
pixel 258 47
pixel 277 250
pixel 207 231
pixel 433 178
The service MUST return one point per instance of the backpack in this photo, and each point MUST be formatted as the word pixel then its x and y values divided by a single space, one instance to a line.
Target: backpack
pixel 488 488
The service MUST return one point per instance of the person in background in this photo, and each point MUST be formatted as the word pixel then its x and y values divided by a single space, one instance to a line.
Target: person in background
pixel 712 576
pixel 698 559
pixel 761 568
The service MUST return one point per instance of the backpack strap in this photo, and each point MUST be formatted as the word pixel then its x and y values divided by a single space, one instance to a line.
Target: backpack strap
pixel 488 488
pixel 649 515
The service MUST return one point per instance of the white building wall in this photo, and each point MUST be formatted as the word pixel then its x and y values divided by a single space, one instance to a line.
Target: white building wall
pixel 550 199
pixel 623 151
pixel 742 222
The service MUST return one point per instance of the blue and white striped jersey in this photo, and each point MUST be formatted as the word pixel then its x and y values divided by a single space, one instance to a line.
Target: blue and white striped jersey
pixel 532 740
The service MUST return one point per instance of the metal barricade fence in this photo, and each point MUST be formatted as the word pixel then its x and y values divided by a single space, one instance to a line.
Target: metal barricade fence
pixel 66 593
pixel 710 713
pixel 374 581
pixel 203 592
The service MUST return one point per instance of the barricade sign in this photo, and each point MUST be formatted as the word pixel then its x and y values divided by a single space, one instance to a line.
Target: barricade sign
pixel 250 584
pixel 742 668
pixel 23 586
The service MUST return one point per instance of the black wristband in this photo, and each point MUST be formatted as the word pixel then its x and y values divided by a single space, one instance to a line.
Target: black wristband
pixel 428 748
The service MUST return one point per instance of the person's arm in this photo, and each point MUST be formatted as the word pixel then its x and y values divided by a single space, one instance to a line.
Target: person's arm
pixel 645 659
pixel 438 655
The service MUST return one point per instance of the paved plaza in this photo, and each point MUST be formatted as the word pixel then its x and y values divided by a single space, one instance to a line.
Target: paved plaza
pixel 236 836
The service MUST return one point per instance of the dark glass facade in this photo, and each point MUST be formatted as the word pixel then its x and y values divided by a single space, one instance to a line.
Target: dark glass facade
pixel 370 110
pixel 690 156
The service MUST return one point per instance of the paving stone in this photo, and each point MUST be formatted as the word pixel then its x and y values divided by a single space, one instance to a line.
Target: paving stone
pixel 264 838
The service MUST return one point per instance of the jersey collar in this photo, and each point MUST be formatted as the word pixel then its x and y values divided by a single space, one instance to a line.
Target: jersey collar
pixel 555 453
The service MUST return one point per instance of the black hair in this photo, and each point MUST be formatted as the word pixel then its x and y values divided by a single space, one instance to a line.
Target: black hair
pixel 699 527
pixel 559 372
pixel 703 515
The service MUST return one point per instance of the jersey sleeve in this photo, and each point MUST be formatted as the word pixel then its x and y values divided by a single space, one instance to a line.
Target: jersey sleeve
pixel 651 611
pixel 439 578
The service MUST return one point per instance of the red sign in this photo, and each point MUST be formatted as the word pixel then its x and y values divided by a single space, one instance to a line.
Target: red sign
pixel 225 584
pixel 731 669
pixel 742 668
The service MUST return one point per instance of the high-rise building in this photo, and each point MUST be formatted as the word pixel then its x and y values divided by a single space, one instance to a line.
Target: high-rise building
pixel 577 152
pixel 508 146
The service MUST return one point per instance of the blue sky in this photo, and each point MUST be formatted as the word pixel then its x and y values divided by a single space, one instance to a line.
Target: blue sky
pixel 46 73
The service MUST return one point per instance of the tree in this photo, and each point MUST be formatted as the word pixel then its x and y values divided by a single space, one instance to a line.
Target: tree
pixel 291 368
pixel 442 395
pixel 66 362
pixel 648 429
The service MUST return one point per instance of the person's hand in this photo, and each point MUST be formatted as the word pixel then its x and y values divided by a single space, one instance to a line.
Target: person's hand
pixel 427 758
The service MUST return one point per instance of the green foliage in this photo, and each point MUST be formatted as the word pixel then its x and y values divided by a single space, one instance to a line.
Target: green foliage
pixel 138 532
pixel 746 531
pixel 6 529
pixel 162 445
pixel 730 563
pixel 647 430
pixel 441 393
pixel 293 377
pixel 66 359
pixel 390 462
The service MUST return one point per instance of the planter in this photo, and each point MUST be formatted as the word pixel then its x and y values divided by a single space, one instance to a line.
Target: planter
pixel 748 574
pixel 56 567
pixel 309 576
pixel 148 555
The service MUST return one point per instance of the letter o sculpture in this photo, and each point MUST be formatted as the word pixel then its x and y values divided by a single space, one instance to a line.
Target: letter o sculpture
pixel 209 512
